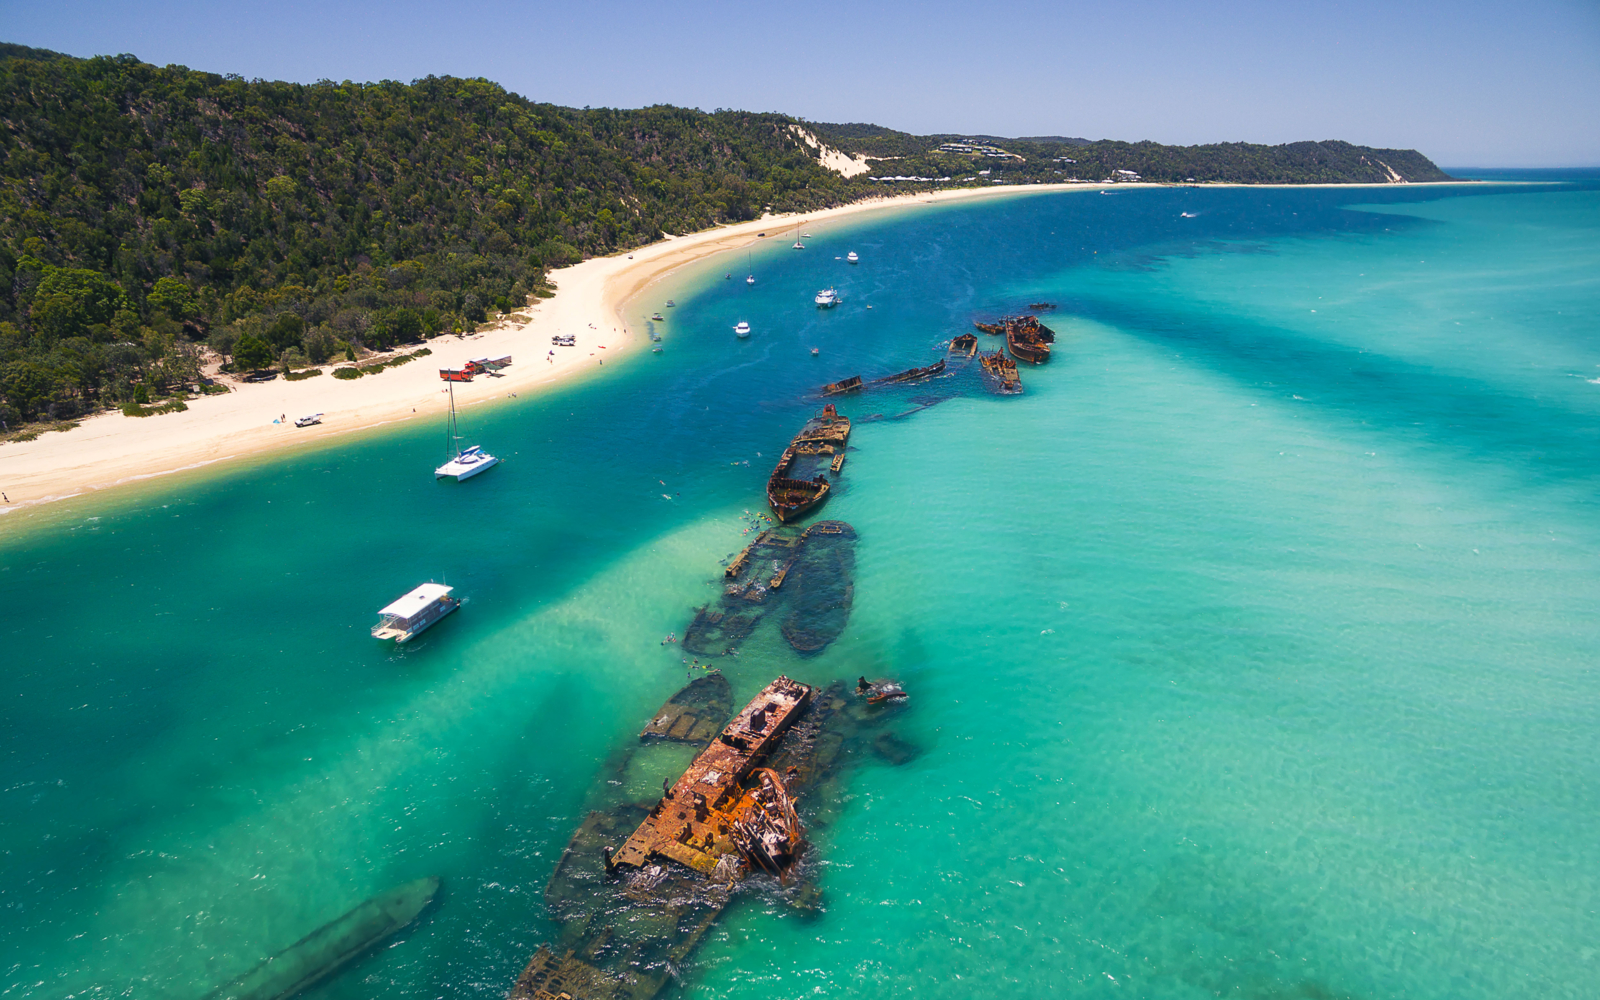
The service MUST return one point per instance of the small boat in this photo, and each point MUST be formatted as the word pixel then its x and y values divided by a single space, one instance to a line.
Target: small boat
pixel 655 350
pixel 798 245
pixel 315 418
pixel 815 351
pixel 741 329
pixel 852 258
pixel 414 612
pixel 1041 306
pixel 805 236
pixel 827 298
pixel 824 437
pixel 670 303
pixel 1190 215
pixel 467 463
pixel 842 386
pixel 964 346
pixel 658 317
pixel 750 280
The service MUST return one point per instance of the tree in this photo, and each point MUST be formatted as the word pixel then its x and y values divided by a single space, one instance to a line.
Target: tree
pixel 27 386
pixel 252 353
pixel 285 332
pixel 172 297
pixel 68 301
pixel 405 325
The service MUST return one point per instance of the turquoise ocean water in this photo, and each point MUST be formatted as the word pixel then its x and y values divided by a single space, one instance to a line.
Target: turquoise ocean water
pixel 1252 650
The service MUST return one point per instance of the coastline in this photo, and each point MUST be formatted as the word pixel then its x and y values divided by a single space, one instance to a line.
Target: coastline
pixel 110 450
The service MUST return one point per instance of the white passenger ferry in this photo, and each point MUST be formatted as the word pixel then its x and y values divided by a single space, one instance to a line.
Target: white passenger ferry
pixel 414 612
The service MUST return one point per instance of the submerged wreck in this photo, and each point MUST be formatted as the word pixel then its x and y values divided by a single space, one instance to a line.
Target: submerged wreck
pixel 811 571
pixel 823 587
pixel 819 445
pixel 641 882
pixel 1001 373
pixel 332 946
pixel 964 346
pixel 854 383
pixel 752 584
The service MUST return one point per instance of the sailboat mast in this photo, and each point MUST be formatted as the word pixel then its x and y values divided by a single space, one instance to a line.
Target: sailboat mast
pixel 452 439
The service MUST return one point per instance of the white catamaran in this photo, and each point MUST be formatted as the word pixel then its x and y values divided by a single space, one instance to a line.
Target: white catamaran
pixel 468 462
pixel 413 612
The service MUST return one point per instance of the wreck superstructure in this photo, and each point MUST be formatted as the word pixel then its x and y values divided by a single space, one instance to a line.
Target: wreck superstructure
pixel 697 822
pixel 1026 338
pixel 1001 373
pixel 639 885
pixel 824 437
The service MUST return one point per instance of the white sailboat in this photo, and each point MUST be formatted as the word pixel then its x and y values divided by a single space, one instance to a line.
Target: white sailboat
pixel 468 462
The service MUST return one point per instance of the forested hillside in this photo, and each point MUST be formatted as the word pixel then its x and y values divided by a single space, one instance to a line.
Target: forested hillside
pixel 148 213
pixel 143 208
pixel 1055 158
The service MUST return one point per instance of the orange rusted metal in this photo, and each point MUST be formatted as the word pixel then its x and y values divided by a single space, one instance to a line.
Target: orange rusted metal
pixel 694 823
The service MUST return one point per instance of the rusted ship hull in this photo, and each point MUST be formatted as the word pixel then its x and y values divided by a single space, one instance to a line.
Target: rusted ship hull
pixel 1024 348
pixel 820 444
pixel 911 375
pixel 792 499
pixel 964 346
pixel 839 388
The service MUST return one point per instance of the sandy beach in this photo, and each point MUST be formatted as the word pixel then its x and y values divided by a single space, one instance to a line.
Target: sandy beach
pixel 109 450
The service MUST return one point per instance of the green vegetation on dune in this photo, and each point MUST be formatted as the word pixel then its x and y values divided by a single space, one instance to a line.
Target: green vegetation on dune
pixel 150 214
pixel 1054 158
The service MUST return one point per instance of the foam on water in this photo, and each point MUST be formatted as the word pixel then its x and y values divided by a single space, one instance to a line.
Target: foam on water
pixel 1250 651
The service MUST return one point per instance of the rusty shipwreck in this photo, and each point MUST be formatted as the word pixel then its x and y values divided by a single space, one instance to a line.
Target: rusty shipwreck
pixel 646 875
pixel 798 484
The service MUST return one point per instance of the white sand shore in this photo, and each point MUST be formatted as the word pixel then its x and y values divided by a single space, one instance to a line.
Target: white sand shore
pixel 110 450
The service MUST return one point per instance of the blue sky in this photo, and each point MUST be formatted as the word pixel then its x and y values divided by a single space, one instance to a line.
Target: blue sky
pixel 1467 82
